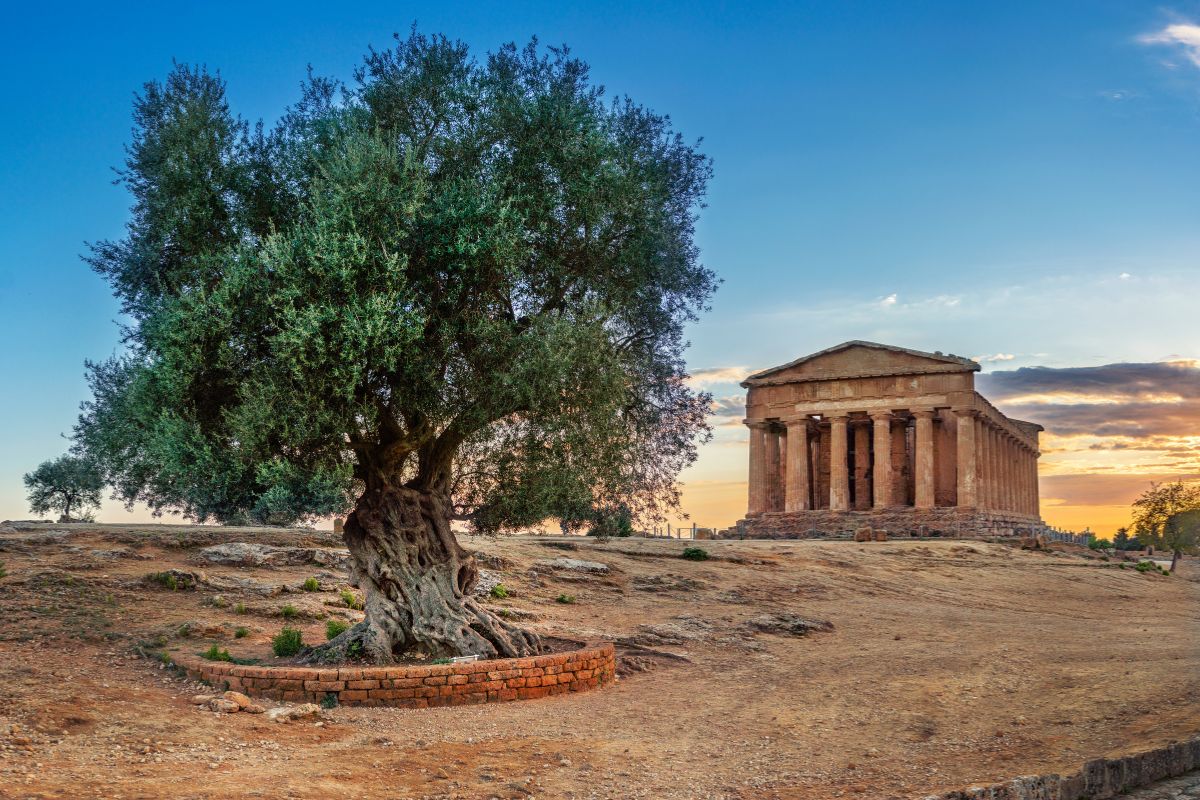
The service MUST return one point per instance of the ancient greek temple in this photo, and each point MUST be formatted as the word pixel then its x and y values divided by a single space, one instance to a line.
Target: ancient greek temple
pixel 898 439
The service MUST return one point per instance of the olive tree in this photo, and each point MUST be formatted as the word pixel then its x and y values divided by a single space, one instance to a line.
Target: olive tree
pixel 452 289
pixel 68 484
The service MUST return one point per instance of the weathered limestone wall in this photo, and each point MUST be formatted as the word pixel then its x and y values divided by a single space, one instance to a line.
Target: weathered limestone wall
pixel 1100 779
pixel 896 522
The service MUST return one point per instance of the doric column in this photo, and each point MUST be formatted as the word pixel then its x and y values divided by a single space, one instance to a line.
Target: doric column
pixel 839 478
pixel 994 466
pixel 1028 474
pixel 798 455
pixel 772 478
pixel 882 466
pixel 758 467
pixel 1035 502
pixel 967 477
pixel 862 463
pixel 923 494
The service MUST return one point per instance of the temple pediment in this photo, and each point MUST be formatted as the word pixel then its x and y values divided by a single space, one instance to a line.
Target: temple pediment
pixel 858 359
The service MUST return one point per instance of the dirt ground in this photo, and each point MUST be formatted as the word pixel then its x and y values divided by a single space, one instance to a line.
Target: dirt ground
pixel 949 663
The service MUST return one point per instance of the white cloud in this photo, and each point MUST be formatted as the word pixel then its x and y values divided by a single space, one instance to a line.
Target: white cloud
pixel 714 376
pixel 888 301
pixel 994 358
pixel 1124 276
pixel 1184 35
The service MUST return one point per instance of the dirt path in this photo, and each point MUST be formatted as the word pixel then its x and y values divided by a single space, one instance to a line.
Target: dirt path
pixel 949 664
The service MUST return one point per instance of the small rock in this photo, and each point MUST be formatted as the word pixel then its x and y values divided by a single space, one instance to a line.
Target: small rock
pixel 284 714
pixel 223 706
pixel 202 699
pixel 575 565
pixel 253 708
pixel 239 698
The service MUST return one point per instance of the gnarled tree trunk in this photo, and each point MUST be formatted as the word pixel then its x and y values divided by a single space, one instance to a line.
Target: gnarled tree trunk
pixel 417 581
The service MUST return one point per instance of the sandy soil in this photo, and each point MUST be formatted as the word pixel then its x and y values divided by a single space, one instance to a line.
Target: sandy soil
pixel 950 663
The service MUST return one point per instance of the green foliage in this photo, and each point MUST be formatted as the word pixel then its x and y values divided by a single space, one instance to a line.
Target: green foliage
pixel 335 628
pixel 694 554
pixel 168 580
pixel 499 592
pixel 289 611
pixel 184 631
pixel 329 701
pixel 354 649
pixel 607 522
pixel 471 276
pixel 241 632
pixel 3 571
pixel 215 653
pixel 240 608
pixel 287 643
pixel 69 485
pixel 311 585
pixel 1153 509
pixel 1181 533
pixel 1099 544
pixel 351 600
pixel 441 661
pixel 565 598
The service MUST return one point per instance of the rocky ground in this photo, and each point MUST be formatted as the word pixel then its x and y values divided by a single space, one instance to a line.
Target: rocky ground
pixel 944 664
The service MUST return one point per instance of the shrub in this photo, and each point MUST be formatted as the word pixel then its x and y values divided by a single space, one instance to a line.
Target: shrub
pixel 350 600
pixel 694 554
pixel 3 571
pixel 241 608
pixel 499 592
pixel 287 643
pixel 335 628
pixel 565 598
pixel 184 631
pixel 441 661
pixel 215 653
pixel 311 585
pixel 330 700
pixel 289 611
pixel 241 632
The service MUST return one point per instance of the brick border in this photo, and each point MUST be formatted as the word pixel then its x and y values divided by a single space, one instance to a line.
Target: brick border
pixel 1100 778
pixel 469 683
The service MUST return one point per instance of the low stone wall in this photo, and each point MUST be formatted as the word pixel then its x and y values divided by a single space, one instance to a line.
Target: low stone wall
pixel 947 522
pixel 1099 779
pixel 468 683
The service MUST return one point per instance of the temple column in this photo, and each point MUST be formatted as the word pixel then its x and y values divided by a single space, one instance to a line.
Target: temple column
pixel 1035 502
pixel 967 474
pixel 882 466
pixel 758 467
pixel 839 478
pixel 924 494
pixel 797 489
pixel 862 464
pixel 1005 471
pixel 994 467
pixel 772 461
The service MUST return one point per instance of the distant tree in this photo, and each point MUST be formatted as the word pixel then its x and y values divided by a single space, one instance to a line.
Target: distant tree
pixel 69 485
pixel 1181 534
pixel 1121 538
pixel 453 289
pixel 1157 505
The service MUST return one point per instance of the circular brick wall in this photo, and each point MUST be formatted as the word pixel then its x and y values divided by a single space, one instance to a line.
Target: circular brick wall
pixel 469 683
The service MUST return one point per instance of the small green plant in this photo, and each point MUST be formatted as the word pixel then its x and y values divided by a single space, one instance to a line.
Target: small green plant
pixel 287 643
pixel 3 571
pixel 241 632
pixel 184 631
pixel 289 611
pixel 311 585
pixel 499 592
pixel 441 661
pixel 240 608
pixel 1121 565
pixel 169 581
pixel 350 600
pixel 354 649
pixel 330 700
pixel 165 658
pixel 1146 566
pixel 694 554
pixel 215 653
pixel 565 598
pixel 335 628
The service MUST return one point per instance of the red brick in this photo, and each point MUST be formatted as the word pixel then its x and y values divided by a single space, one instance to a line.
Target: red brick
pixel 351 695
pixel 456 680
pixel 362 684
pixel 324 686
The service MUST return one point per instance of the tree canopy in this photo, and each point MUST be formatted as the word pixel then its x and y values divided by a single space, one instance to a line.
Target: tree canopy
pixel 455 275
pixel 68 484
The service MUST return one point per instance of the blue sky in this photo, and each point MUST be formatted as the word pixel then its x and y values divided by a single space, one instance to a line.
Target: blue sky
pixel 1013 181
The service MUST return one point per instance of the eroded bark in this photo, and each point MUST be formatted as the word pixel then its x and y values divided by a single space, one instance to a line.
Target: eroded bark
pixel 417 581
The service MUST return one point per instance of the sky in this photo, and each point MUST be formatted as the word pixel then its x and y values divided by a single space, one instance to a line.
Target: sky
pixel 1015 182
